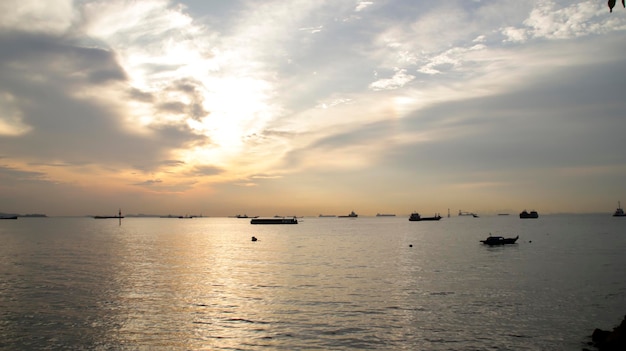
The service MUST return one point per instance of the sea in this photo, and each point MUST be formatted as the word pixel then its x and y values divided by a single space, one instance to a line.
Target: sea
pixel 367 283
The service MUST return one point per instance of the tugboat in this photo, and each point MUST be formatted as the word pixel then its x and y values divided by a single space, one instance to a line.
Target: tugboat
pixel 619 212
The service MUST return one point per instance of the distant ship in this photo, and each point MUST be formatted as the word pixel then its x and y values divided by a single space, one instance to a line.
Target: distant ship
pixel 119 215
pixel 351 215
pixel 531 214
pixel 415 217
pixel 245 216
pixel 619 212
pixel 274 221
pixel 323 215
pixel 385 215
pixel 179 216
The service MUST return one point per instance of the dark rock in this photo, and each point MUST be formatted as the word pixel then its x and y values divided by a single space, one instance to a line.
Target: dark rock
pixel 599 335
pixel 610 340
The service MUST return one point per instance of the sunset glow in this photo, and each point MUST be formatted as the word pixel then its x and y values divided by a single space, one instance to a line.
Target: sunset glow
pixel 227 107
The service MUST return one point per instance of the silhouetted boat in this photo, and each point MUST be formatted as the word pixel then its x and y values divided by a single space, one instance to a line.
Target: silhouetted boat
pixel 323 215
pixel 498 240
pixel 385 215
pixel 531 214
pixel 119 215
pixel 350 215
pixel 416 217
pixel 8 217
pixel 619 212
pixel 245 216
pixel 274 221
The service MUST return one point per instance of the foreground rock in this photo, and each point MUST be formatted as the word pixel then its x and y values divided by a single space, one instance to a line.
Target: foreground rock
pixel 610 340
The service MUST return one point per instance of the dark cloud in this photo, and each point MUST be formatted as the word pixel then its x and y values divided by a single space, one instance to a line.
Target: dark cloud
pixel 194 91
pixel 47 76
pixel 56 58
pixel 546 123
pixel 139 95
pixel 11 175
pixel 569 118
pixel 172 107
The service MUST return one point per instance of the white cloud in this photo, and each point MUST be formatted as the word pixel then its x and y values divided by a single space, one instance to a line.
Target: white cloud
pixel 11 123
pixel 399 79
pixel 275 87
pixel 36 16
pixel 551 21
pixel 362 5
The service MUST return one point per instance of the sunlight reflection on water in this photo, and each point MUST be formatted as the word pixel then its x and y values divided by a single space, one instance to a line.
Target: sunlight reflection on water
pixel 326 283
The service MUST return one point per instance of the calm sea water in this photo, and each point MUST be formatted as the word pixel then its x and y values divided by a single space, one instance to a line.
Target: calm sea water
pixel 325 284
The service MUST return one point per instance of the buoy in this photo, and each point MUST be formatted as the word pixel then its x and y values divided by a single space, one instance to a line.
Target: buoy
pixel 410 245
pixel 254 238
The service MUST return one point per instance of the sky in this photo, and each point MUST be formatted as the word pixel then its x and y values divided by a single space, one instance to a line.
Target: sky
pixel 299 107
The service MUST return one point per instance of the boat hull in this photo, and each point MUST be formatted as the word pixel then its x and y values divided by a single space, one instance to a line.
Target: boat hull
pixel 350 215
pixel 498 240
pixel 415 217
pixel 425 219
pixel 531 214
pixel 273 221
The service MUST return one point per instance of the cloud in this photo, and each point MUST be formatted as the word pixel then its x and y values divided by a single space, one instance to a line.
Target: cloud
pixel 36 16
pixel 150 182
pixel 59 94
pixel 10 175
pixel 11 122
pixel 155 98
pixel 362 5
pixel 206 171
pixel 399 79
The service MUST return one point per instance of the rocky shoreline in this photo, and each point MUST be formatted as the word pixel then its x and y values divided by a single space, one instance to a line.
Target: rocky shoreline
pixel 604 340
